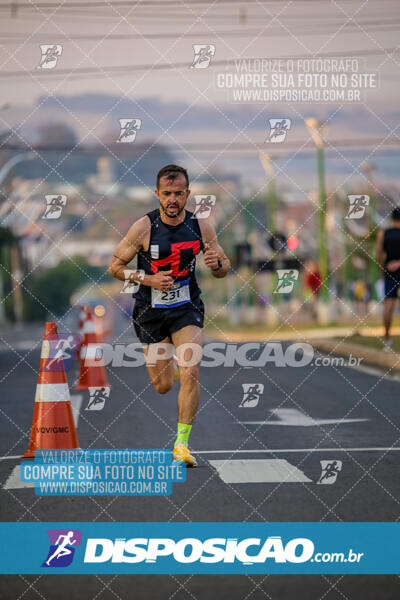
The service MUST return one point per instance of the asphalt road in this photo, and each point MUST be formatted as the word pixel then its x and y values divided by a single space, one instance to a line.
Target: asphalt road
pixel 287 427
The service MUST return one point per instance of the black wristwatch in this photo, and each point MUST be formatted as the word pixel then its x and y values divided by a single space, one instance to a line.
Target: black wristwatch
pixel 219 266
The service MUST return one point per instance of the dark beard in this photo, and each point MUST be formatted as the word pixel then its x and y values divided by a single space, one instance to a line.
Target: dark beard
pixel 171 216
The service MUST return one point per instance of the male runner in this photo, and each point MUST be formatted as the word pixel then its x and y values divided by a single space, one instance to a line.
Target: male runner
pixel 388 257
pixel 168 306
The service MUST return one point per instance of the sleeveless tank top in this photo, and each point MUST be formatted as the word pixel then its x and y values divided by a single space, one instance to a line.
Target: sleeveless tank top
pixel 391 244
pixel 171 247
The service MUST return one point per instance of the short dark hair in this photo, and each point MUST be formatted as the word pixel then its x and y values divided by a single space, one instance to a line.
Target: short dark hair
pixel 172 172
pixel 396 214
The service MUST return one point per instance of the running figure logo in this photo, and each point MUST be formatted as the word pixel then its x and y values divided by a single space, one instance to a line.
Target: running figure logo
pixel 278 130
pixel 50 55
pixel 128 129
pixel 61 352
pixel 62 547
pixel 97 397
pixel 130 287
pixel 203 53
pixel 204 205
pixel 329 471
pixel 286 280
pixel 251 394
pixel 54 206
pixel 357 206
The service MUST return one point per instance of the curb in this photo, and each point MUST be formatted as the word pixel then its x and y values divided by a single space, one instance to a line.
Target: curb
pixel 297 334
pixel 372 356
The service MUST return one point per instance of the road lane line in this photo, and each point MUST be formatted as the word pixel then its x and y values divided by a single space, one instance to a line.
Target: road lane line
pixel 374 371
pixel 259 470
pixel 76 403
pixel 14 481
pixel 270 451
pixel 11 457
pixel 284 450
pixel 292 417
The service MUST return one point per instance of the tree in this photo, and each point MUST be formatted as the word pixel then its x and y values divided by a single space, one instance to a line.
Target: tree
pixel 54 135
pixel 51 290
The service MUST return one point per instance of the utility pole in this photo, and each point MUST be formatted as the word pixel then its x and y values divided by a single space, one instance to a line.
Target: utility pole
pixel 315 128
pixel 16 274
pixel 271 206
pixel 369 169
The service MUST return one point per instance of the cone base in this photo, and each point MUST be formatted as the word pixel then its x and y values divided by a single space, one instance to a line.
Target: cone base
pixel 53 428
pixel 29 454
pixel 82 387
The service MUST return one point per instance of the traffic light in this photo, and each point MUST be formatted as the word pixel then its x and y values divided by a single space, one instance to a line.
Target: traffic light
pixel 277 242
pixel 243 254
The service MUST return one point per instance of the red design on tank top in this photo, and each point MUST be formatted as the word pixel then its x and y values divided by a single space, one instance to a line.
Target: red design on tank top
pixel 174 258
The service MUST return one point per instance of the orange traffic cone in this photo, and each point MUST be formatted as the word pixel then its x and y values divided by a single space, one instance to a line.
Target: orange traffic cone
pixel 92 371
pixel 103 319
pixel 83 314
pixel 53 425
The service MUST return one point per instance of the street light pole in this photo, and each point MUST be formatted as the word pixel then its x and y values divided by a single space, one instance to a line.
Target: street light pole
pixel 271 204
pixel 268 166
pixel 347 253
pixel 368 169
pixel 315 129
pixel 16 274
pixel 10 164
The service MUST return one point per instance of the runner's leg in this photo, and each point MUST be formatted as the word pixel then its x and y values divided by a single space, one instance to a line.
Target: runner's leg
pixel 189 392
pixel 389 304
pixel 162 370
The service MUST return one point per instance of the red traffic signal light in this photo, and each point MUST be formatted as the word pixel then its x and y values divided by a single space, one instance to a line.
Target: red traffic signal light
pixel 292 242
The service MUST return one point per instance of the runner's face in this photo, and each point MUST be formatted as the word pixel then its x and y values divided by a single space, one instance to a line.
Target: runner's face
pixel 172 195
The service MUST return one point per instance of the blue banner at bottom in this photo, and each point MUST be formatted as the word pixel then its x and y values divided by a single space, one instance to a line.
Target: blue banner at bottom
pixel 200 548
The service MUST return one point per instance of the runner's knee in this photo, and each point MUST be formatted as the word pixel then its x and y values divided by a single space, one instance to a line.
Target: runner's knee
pixel 162 386
pixel 189 375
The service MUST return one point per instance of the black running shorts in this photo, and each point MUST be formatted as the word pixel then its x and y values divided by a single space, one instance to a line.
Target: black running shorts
pixel 155 324
pixel 392 283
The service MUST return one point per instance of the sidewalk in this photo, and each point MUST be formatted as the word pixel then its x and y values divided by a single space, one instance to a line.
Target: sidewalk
pixel 297 334
pixel 25 337
pixel 331 340
pixel 388 360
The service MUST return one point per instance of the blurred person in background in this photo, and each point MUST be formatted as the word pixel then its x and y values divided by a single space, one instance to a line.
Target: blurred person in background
pixel 360 295
pixel 388 257
pixel 312 284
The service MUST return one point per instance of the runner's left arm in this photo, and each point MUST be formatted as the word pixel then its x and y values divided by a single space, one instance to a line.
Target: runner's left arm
pixel 214 256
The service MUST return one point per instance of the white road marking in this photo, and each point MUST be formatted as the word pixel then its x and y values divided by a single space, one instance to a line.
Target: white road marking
pixel 283 469
pixel 15 457
pixel 292 417
pixel 14 482
pixel 290 450
pixel 23 345
pixel 259 470
pixel 76 403
pixel 272 451
pixel 374 371
pixel 380 372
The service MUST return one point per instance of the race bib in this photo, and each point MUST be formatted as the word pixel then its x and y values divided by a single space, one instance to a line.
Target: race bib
pixel 177 295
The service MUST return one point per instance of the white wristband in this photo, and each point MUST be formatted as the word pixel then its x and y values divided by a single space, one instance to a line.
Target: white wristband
pixel 137 276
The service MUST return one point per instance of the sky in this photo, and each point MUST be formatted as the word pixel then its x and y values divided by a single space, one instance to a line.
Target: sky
pixel 132 52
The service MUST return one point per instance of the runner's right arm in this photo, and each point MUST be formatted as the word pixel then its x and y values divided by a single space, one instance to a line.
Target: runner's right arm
pixel 126 251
